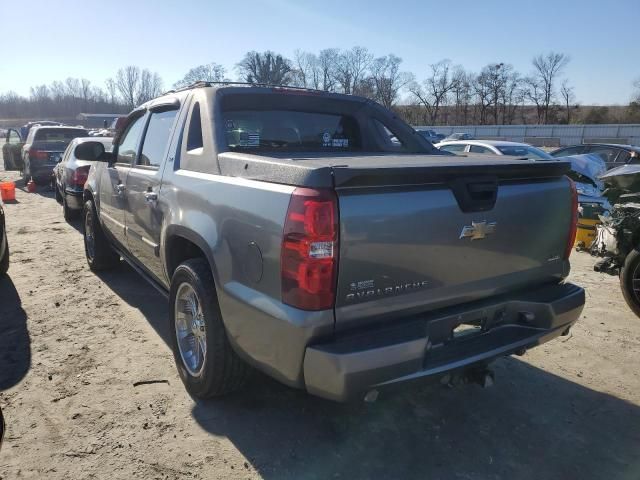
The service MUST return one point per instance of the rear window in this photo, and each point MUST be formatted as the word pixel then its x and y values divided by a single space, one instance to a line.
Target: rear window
pixel 290 130
pixel 59 134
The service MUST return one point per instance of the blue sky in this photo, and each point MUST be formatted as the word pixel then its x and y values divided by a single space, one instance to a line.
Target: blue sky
pixel 64 38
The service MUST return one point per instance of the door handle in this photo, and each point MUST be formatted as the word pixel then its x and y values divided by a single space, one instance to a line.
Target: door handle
pixel 120 188
pixel 151 197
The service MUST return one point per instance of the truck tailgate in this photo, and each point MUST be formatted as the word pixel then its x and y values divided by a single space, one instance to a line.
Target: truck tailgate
pixel 465 235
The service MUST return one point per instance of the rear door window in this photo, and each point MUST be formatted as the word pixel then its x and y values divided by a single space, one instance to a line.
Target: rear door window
pixel 156 139
pixel 455 148
pixel 479 149
pixel 276 130
pixel 58 134
pixel 608 154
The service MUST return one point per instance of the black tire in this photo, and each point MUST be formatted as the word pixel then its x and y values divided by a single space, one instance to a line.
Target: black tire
pixel 631 269
pixel 100 255
pixel 223 371
pixel 4 261
pixel 68 213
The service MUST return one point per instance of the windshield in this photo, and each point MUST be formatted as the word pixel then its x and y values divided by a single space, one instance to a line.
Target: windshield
pixel 524 151
pixel 285 130
pixel 59 134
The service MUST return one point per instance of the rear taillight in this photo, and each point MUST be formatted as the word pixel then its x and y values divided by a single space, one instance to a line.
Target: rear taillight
pixel 80 175
pixel 310 250
pixel 573 227
pixel 36 154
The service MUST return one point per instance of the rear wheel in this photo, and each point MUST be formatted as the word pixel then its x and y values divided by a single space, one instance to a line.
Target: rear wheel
pixel 100 255
pixel 630 281
pixel 207 364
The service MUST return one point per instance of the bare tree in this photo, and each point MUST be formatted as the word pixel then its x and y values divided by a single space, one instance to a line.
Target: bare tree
pixel 388 80
pixel 304 64
pixel 351 67
pixel 127 80
pixel 547 68
pixel 462 94
pixel 568 98
pixel 482 89
pixel 150 86
pixel 112 90
pixel 636 95
pixel 435 89
pixel 266 68
pixel 534 92
pixel 211 72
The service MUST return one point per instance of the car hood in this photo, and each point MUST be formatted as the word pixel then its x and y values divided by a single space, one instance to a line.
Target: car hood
pixel 625 177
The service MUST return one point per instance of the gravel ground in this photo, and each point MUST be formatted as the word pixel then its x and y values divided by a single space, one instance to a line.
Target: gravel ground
pixel 73 345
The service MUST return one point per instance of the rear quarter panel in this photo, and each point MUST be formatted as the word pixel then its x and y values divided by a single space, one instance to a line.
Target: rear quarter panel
pixel 239 224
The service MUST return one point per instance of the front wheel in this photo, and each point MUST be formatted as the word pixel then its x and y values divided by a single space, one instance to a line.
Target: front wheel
pixel 100 255
pixel 630 281
pixel 207 364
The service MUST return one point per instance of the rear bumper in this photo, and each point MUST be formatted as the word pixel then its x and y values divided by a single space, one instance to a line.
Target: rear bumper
pixel 424 347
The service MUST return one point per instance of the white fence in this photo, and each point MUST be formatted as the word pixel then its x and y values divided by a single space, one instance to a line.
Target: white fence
pixel 550 135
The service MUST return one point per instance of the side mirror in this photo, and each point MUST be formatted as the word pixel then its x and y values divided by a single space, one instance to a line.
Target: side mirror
pixel 93 152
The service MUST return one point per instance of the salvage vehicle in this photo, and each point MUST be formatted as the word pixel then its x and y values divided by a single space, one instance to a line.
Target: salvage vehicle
pixel 43 149
pixel 430 135
pixel 618 238
pixel 613 154
pixel 70 176
pixel 290 234
pixel 4 243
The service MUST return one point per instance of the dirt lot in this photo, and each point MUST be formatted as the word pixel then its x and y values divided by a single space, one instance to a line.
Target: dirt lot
pixel 73 345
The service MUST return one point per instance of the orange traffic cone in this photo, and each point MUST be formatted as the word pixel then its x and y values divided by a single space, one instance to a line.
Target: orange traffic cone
pixel 31 186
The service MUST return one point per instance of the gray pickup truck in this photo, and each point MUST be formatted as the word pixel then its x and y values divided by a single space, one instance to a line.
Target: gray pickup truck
pixel 292 235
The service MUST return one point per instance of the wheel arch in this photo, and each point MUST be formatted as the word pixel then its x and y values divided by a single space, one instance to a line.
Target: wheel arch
pixel 180 244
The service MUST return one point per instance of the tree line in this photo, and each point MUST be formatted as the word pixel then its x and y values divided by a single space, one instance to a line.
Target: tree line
pixel 448 94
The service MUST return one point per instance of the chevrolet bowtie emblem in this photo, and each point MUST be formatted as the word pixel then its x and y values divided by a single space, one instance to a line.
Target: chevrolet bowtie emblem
pixel 478 230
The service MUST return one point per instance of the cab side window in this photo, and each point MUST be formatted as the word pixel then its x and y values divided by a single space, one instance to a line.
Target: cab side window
pixel 156 139
pixel 128 148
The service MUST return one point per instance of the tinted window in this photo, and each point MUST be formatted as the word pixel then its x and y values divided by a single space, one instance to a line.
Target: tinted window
pixel 194 137
pixel 290 130
pixel 129 142
pixel 58 134
pixel 479 149
pixel 157 138
pixel 524 151
pixel 568 151
pixel 623 157
pixel 608 154
pixel 453 148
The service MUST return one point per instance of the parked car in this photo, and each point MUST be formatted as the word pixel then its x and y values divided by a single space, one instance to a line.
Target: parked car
pixel 291 234
pixel 70 176
pixel 459 136
pixel 431 135
pixel 494 147
pixel 43 150
pixel 613 154
pixel 4 244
